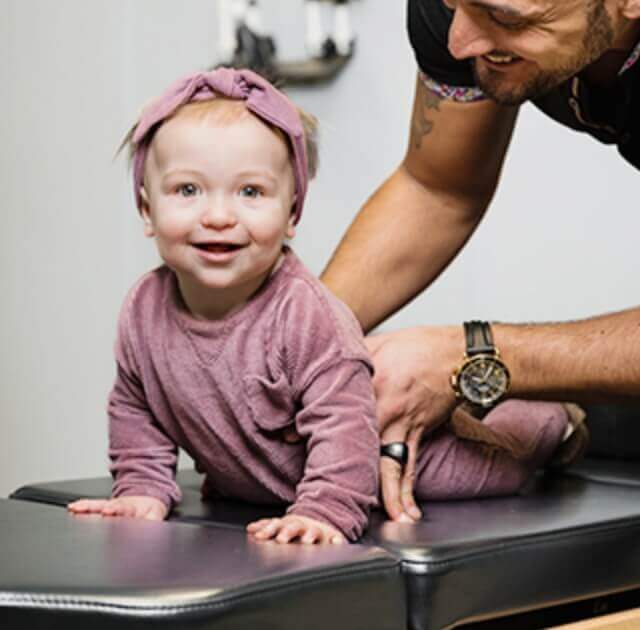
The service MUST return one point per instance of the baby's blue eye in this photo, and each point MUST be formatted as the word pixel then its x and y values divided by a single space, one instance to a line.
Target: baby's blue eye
pixel 250 191
pixel 187 190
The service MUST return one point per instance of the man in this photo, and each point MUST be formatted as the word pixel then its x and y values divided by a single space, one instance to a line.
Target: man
pixel 478 60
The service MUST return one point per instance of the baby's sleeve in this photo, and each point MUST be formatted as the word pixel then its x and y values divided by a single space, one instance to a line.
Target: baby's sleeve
pixel 143 457
pixel 331 376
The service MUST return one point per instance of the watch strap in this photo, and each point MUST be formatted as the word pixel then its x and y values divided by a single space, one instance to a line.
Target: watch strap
pixel 478 338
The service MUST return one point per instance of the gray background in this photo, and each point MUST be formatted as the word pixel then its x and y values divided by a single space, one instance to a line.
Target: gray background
pixel 559 241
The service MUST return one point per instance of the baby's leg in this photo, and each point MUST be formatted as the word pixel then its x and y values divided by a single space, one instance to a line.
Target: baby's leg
pixel 454 468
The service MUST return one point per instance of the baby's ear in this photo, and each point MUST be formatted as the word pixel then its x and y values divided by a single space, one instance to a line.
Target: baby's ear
pixel 146 214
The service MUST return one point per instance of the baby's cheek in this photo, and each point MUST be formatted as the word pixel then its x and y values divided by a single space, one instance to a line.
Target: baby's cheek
pixel 174 226
pixel 269 234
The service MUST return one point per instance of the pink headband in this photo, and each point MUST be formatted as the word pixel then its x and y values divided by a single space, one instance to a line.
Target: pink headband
pixel 261 98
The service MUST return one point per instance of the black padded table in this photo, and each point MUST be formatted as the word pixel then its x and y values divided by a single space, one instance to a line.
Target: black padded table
pixel 58 571
pixel 563 539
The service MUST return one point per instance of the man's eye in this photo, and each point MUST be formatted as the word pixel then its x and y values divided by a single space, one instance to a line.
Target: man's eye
pixel 510 22
pixel 249 191
pixel 187 190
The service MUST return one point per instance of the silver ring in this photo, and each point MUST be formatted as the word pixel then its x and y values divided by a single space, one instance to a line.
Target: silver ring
pixel 397 451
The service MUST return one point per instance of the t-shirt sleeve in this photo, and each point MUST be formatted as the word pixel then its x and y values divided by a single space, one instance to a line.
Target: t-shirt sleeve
pixel 329 369
pixel 143 458
pixel 428 23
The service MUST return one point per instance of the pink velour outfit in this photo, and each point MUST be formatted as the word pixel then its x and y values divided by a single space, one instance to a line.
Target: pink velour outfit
pixel 292 357
pixel 224 390
pixel 515 438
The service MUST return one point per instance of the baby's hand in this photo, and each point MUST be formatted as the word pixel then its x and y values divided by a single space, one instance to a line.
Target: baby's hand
pixel 293 527
pixel 148 508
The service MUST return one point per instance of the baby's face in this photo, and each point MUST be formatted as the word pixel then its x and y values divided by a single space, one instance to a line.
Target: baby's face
pixel 218 199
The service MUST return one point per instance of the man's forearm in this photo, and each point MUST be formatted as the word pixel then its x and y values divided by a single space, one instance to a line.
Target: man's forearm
pixel 401 240
pixel 592 359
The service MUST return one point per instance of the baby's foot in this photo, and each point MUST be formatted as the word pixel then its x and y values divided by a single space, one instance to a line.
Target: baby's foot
pixel 575 441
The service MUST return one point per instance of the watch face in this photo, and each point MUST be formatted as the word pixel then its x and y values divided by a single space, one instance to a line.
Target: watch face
pixel 483 379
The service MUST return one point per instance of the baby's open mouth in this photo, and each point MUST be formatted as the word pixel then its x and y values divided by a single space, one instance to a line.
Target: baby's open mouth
pixel 218 247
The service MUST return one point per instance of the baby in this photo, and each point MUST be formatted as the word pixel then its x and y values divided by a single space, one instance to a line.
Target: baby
pixel 237 354
pixel 232 343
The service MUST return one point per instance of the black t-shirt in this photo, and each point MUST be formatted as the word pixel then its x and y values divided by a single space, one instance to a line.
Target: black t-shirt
pixel 610 116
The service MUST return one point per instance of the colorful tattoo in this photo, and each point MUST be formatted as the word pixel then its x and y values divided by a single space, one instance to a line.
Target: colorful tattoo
pixel 451 92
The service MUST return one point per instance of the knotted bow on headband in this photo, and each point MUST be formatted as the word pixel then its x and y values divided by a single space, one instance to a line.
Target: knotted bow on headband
pixel 260 97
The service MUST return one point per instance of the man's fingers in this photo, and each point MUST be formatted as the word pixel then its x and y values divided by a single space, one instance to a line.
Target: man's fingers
pixel 409 476
pixel 390 476
pixel 373 342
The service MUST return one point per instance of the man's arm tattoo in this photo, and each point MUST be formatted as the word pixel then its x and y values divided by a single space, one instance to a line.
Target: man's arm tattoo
pixel 421 125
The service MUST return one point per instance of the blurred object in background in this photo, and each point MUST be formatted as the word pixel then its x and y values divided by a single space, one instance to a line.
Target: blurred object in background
pixel 245 42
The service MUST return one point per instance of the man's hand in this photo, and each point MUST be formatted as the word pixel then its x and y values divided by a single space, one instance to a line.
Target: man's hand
pixel 148 508
pixel 414 396
pixel 292 527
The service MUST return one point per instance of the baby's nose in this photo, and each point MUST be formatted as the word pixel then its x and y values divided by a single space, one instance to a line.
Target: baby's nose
pixel 219 214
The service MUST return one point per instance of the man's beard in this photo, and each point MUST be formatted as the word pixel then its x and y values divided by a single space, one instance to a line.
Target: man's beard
pixel 597 39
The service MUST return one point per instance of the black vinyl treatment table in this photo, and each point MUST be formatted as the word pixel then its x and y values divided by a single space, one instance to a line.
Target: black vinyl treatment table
pixel 566 547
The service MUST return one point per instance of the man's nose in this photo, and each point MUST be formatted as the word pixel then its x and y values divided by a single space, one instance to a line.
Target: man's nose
pixel 219 213
pixel 466 38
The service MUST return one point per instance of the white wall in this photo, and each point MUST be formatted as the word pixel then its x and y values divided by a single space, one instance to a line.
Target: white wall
pixel 559 241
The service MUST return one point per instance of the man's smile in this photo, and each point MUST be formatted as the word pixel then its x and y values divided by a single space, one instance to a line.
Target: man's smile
pixel 500 59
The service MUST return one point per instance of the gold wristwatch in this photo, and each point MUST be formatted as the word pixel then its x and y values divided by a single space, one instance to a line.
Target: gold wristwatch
pixel 483 378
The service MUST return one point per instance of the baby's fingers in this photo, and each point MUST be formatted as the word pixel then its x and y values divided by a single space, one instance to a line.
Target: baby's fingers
pixel 333 536
pixel 252 528
pixel 87 506
pixel 291 530
pixel 321 534
pixel 268 530
pixel 312 535
pixel 117 508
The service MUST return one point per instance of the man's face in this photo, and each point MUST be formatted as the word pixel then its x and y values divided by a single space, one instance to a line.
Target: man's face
pixel 523 48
